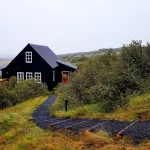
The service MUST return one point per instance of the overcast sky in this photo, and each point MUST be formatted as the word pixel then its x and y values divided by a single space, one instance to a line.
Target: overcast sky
pixel 68 26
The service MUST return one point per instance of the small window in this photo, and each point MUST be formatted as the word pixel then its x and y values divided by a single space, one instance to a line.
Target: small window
pixel 28 75
pixel 37 77
pixel 53 75
pixel 20 76
pixel 28 57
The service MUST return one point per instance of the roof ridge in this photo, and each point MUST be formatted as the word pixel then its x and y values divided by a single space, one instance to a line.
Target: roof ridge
pixel 37 44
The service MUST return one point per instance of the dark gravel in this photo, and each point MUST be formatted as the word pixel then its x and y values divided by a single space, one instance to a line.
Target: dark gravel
pixel 42 110
pixel 112 126
pixel 86 125
pixel 139 130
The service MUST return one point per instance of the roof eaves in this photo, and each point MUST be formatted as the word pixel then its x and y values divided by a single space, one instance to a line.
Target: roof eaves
pixel 66 64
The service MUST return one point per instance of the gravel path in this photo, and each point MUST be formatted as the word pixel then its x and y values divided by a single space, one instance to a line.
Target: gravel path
pixel 137 130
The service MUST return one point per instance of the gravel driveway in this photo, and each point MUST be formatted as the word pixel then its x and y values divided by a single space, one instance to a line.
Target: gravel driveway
pixel 137 130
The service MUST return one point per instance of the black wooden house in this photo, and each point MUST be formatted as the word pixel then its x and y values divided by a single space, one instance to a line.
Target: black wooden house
pixel 41 63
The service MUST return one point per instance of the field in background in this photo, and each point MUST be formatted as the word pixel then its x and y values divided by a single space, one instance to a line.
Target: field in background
pixel 4 63
pixel 82 56
pixel 17 133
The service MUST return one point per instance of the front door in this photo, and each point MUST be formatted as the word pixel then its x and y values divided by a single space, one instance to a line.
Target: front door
pixel 65 77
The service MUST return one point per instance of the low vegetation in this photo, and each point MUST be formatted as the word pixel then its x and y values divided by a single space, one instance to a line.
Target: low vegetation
pixel 12 93
pixel 17 133
pixel 138 108
pixel 105 84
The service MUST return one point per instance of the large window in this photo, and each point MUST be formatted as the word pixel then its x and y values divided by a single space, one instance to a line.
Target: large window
pixel 20 76
pixel 28 57
pixel 28 75
pixel 37 77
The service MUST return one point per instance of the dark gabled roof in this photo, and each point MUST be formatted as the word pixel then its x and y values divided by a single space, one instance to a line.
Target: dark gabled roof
pixel 66 64
pixel 47 54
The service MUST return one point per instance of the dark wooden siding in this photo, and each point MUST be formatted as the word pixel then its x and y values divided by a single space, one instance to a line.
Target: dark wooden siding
pixel 38 65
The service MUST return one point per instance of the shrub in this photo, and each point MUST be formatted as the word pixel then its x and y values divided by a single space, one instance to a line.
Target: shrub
pixel 109 79
pixel 13 93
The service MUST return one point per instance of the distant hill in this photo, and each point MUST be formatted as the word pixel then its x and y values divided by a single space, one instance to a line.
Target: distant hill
pixel 4 62
pixel 82 56
pixel 95 52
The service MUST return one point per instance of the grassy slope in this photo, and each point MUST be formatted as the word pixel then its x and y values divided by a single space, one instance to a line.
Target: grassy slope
pixel 138 106
pixel 16 132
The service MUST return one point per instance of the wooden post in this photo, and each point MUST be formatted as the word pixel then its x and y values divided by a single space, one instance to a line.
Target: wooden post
pixel 66 104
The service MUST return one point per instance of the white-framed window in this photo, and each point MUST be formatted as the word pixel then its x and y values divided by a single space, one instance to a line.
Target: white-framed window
pixel 20 76
pixel 28 57
pixel 28 75
pixel 37 76
pixel 53 75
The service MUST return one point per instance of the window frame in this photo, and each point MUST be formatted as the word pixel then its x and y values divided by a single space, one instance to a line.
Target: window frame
pixel 31 74
pixel 40 77
pixel 21 79
pixel 28 54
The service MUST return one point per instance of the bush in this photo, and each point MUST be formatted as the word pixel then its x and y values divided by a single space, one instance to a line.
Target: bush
pixel 13 93
pixel 109 79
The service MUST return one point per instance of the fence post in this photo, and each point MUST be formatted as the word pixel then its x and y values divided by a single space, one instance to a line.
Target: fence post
pixel 66 104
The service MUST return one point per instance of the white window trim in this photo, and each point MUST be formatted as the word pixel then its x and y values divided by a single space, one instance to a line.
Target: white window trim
pixel 27 58
pixel 18 76
pixel 27 75
pixel 54 75
pixel 40 77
